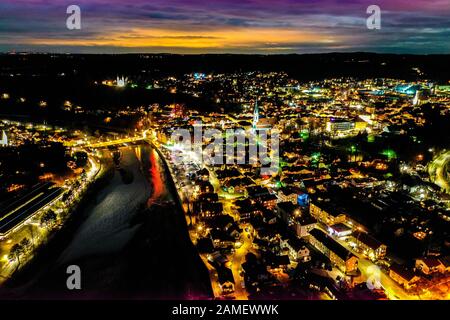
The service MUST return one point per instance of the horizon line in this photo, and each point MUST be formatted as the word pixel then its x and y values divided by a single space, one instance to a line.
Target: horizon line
pixel 224 53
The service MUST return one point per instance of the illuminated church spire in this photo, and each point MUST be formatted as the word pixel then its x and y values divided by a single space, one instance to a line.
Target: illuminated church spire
pixel 255 115
pixel 4 141
pixel 416 99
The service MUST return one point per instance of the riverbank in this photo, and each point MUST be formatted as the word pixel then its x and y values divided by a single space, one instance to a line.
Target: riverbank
pixel 127 247
pixel 17 285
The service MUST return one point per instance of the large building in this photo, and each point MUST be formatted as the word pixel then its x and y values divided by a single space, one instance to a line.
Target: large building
pixel 430 265
pixel 340 230
pixel 326 214
pixel 338 255
pixel 369 246
pixel 335 125
pixel 403 276
pixel 304 224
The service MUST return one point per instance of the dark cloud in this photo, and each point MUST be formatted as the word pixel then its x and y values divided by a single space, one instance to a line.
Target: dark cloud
pixel 418 26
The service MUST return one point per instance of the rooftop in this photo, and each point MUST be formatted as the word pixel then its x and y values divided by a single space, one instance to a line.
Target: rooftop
pixel 402 271
pixel 332 245
pixel 367 239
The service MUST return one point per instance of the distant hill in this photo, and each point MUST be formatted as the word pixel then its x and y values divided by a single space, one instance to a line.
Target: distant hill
pixel 305 67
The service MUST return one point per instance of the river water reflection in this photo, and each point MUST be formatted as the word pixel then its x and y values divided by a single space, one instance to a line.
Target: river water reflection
pixel 132 242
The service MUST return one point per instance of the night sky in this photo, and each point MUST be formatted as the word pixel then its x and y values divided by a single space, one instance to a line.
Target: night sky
pixel 220 26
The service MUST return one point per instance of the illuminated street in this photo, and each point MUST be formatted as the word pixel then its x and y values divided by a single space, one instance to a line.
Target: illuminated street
pixel 244 247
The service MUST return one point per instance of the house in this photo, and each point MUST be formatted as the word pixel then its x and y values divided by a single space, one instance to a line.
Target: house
pixel 293 216
pixel 246 213
pixel 266 232
pixel 210 209
pixel 204 187
pixel 233 230
pixel 287 210
pixel 288 194
pixel 326 213
pixel 304 224
pixel 237 185
pixel 369 246
pixel 430 265
pixel 303 199
pixel 338 255
pixel 247 209
pixel 217 259
pixel 256 272
pixel 403 276
pixel 220 222
pixel 257 191
pixel 268 201
pixel 269 217
pixel 221 238
pixel 208 197
pixel 203 174
pixel 228 172
pixel 296 249
pixel 275 263
pixel 260 244
pixel 446 262
pixel 226 280
pixel 362 292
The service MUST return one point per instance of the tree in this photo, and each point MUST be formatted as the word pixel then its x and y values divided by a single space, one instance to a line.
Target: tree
pixel 49 218
pixel 25 243
pixel 16 252
pixel 44 220
pixel 81 158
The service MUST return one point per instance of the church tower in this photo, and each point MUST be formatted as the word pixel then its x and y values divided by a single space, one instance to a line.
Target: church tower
pixel 416 99
pixel 255 116
pixel 4 141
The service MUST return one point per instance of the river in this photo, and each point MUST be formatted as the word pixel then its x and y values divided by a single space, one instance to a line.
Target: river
pixel 131 242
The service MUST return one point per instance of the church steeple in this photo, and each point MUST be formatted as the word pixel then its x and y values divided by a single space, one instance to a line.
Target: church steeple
pixel 416 99
pixel 255 115
pixel 4 140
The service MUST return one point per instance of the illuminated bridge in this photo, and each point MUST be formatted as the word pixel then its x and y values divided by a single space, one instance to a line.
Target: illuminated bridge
pixel 113 142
